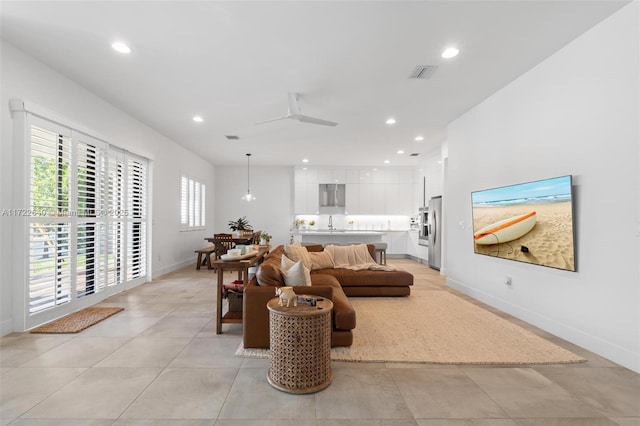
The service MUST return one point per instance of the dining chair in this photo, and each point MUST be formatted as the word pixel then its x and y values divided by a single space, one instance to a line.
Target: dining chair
pixel 255 239
pixel 222 243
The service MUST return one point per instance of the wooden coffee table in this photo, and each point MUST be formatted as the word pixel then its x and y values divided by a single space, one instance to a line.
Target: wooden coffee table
pixel 300 341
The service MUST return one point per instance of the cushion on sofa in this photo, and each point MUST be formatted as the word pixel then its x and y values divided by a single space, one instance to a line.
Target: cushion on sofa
pixel 297 252
pixel 320 260
pixel 295 273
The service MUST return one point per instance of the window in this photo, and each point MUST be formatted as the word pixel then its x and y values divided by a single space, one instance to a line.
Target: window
pixel 192 204
pixel 87 216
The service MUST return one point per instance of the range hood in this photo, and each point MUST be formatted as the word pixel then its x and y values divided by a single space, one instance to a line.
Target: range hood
pixel 332 198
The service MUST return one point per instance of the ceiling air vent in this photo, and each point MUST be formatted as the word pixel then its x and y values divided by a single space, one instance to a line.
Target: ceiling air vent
pixel 232 137
pixel 415 154
pixel 423 71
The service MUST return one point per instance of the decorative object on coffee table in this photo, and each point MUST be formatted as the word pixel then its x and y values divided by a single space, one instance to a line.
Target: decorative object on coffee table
pixel 287 296
pixel 300 340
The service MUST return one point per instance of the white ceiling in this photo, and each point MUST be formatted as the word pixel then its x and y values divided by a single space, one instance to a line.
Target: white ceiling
pixel 233 63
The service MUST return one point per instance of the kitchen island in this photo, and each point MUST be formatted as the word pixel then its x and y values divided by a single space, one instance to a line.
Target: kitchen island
pixel 337 236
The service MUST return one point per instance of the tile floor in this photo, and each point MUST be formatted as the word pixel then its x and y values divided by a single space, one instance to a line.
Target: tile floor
pixel 159 362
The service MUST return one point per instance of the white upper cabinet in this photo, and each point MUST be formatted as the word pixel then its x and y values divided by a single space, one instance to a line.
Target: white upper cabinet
pixel 378 176
pixel 352 198
pixel 353 176
pixel 369 191
pixel 339 176
pixel 331 175
pixel 306 175
pixel 306 198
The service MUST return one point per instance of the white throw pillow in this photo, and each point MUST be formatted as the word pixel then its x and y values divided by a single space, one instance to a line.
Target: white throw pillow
pixel 297 275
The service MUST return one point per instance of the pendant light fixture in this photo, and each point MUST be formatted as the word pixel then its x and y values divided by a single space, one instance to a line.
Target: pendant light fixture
pixel 248 196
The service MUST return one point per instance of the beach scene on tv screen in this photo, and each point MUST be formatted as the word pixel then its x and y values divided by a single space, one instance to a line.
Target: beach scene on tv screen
pixel 530 222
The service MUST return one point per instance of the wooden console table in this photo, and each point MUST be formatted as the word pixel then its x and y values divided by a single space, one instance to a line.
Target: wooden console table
pixel 242 266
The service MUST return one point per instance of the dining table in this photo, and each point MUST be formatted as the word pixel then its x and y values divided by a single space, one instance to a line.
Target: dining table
pixel 235 240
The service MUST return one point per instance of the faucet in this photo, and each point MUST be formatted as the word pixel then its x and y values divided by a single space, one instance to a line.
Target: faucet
pixel 330 223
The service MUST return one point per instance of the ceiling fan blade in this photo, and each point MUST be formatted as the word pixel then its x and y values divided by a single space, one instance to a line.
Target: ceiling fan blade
pixel 273 119
pixel 314 120
pixel 294 114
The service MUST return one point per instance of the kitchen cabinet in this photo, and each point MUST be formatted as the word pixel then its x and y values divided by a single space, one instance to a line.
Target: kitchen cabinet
pixel 330 175
pixel 306 198
pixel 412 243
pixel 306 175
pixel 396 242
pixel 369 191
pixel 352 198
pixel 352 176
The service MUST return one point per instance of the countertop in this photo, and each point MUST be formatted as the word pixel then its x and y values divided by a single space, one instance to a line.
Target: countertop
pixel 337 232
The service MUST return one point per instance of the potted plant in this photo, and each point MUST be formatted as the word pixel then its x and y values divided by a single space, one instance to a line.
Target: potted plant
pixel 241 224
pixel 265 238
pixel 300 223
pixel 312 224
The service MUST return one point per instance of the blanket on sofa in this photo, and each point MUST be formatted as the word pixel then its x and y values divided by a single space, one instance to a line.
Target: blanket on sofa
pixel 355 257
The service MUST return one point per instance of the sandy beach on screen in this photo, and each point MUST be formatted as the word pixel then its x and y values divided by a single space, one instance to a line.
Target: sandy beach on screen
pixel 550 242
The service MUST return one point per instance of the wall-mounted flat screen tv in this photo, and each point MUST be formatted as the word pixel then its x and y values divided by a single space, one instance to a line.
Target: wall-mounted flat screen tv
pixel 528 222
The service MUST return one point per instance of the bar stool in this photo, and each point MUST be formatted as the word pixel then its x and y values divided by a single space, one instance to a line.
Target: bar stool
pixel 381 251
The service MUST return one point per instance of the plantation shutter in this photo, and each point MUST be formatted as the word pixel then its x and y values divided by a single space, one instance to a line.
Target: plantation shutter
pixel 192 204
pixel 86 221
pixel 114 238
pixel 90 210
pixel 137 222
pixel 49 261
pixel 184 202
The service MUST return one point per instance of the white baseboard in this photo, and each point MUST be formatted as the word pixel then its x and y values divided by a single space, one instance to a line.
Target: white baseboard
pixel 595 344
pixel 6 327
pixel 168 269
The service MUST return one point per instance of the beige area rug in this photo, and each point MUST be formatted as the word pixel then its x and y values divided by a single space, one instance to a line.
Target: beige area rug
pixel 437 327
pixel 77 321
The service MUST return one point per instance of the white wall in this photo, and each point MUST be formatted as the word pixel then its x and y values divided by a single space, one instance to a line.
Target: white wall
pixel 575 113
pixel 23 77
pixel 271 211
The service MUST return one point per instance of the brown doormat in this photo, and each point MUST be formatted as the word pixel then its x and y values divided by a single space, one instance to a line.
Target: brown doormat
pixel 77 321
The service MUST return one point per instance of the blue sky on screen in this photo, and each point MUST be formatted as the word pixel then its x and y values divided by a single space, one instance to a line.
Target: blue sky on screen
pixel 538 189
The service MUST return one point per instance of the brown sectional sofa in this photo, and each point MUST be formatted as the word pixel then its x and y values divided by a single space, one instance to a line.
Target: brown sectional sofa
pixel 334 284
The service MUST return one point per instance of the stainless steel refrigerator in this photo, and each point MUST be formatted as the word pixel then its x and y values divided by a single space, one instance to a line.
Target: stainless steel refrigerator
pixel 434 222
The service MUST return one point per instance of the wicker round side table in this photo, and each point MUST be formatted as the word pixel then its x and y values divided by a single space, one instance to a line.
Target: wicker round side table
pixel 300 343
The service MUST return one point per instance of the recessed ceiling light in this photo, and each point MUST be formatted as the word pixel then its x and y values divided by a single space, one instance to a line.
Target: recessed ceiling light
pixel 198 119
pixel 391 121
pixel 419 138
pixel 400 152
pixel 305 160
pixel 119 46
pixel 450 52
pixel 386 161
pixel 375 170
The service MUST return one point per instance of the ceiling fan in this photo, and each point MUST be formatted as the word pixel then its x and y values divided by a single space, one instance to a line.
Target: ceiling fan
pixel 294 113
